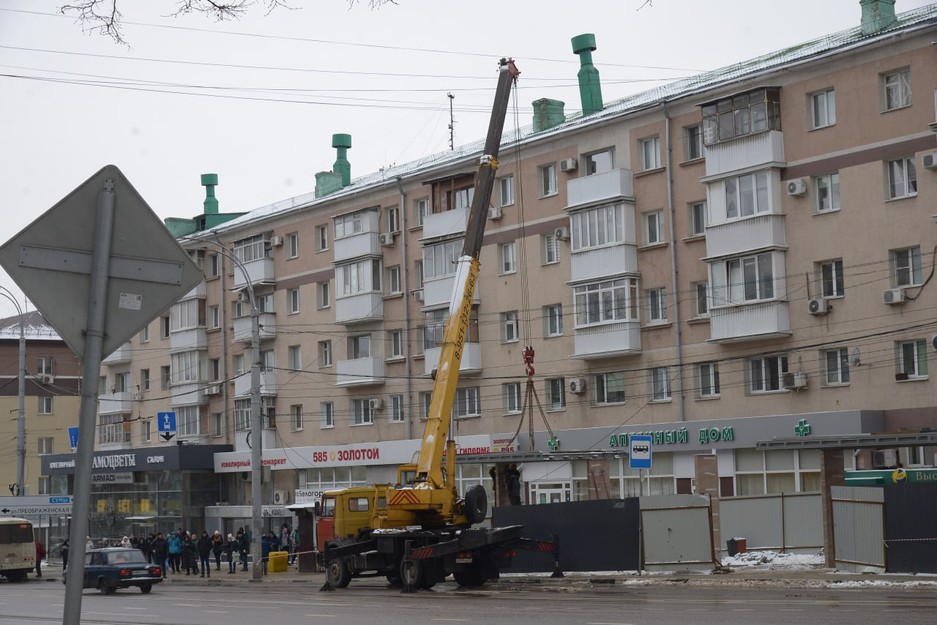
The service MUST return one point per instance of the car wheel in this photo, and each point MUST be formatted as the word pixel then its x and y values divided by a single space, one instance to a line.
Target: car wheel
pixel 146 588
pixel 106 587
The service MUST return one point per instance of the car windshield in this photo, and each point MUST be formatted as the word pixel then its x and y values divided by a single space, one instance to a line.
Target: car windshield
pixel 126 556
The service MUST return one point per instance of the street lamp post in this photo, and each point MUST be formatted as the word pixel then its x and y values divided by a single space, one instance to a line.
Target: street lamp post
pixel 256 424
pixel 17 489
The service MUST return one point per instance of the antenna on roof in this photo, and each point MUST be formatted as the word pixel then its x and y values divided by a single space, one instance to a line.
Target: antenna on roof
pixel 451 122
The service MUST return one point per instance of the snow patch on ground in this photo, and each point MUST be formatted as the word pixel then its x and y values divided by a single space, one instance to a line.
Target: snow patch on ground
pixel 775 560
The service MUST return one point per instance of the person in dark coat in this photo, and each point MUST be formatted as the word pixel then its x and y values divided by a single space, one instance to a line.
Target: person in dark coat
pixel 160 550
pixel 513 479
pixel 64 555
pixel 189 555
pixel 217 547
pixel 244 547
pixel 267 544
pixel 204 547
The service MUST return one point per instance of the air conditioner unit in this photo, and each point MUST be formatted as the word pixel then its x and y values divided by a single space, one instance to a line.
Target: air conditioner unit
pixel 387 239
pixel 797 187
pixel 569 164
pixel 929 161
pixel 818 306
pixel 562 234
pixel 376 404
pixel 893 296
pixel 281 497
pixel 418 295
pixel 494 213
pixel 577 385
pixel 47 378
pixel 884 458
pixel 214 389
pixel 276 241
pixel 795 380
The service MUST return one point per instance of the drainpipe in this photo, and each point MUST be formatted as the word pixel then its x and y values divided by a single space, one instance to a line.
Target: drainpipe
pixel 224 337
pixel 404 277
pixel 675 288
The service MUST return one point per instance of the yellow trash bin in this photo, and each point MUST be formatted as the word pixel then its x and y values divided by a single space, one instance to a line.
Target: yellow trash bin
pixel 278 562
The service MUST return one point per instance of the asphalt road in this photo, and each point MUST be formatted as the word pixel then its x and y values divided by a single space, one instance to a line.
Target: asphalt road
pixel 369 602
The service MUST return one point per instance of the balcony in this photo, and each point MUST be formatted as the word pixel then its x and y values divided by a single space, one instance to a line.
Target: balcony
pixel 471 359
pixel 612 260
pixel 268 384
pixel 242 327
pixel 764 149
pixel 445 224
pixel 359 308
pixel 750 322
pixel 188 340
pixel 198 292
pixel 120 356
pixel 754 233
pixel 439 291
pixel 357 245
pixel 360 372
pixel 188 394
pixel 259 271
pixel 607 340
pixel 611 185
pixel 118 402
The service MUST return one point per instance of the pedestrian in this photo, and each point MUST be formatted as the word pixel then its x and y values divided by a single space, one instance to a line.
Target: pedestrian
pixel 217 547
pixel 204 548
pixel 175 552
pixel 64 555
pixel 231 548
pixel 267 544
pixel 40 555
pixel 244 547
pixel 125 542
pixel 189 555
pixel 513 478
pixel 295 551
pixel 286 539
pixel 89 544
pixel 159 549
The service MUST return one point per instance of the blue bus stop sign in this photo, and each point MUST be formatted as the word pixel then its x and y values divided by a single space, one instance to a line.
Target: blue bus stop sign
pixel 167 425
pixel 639 456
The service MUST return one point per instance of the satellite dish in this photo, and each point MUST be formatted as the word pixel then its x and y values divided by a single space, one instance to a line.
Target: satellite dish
pixel 854 357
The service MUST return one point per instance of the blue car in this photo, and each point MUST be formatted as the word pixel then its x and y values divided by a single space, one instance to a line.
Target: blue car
pixel 119 567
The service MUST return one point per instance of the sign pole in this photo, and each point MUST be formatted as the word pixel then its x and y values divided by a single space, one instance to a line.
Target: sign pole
pixel 94 345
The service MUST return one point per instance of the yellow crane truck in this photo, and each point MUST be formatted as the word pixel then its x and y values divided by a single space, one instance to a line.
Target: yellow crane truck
pixel 419 530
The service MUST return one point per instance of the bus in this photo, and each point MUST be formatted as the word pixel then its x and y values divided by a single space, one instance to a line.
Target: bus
pixel 17 548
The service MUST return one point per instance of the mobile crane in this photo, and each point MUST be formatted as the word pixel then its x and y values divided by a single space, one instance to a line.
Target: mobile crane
pixel 418 531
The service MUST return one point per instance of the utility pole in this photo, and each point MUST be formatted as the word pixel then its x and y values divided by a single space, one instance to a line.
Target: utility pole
pixel 18 488
pixel 451 123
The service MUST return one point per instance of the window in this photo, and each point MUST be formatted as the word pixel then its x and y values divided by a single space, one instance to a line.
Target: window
pixel 348 225
pixel 292 297
pixel 242 415
pixel 252 248
pixel 599 162
pixel 396 343
pixel 902 178
pixel 911 359
pixel 822 109
pixel 743 279
pixel 606 302
pixel 327 414
pixel 608 388
pixel 296 417
pixel 322 238
pixel 831 278
pixel 45 365
pixel 217 424
pixel 237 363
pixel 553 320
pixel 358 277
pixel 164 327
pixel 185 367
pixel 556 393
pixel 766 373
pixel 906 266
pixel 392 280
pixel 392 217
pixel 597 227
pixel 507 256
pixel 325 353
pixel 660 384
pixel 747 195
pixel 45 444
pixel 396 409
pixel 146 431
pixel 439 260
pixel 650 153
pixel 653 227
pixel 110 429
pixel 697 219
pixel 359 346
pixel 420 210
pixel 426 399
pixel 510 332
pixel 547 175
pixel 836 366
pixel 292 245
pixel 361 412
pixel 214 265
pixel 187 421
pixel 506 190
pixel 145 334
pixel 214 317
pixel 693 142
pixel 295 357
pixel 462 198
pixel 896 89
pixel 656 305
pixel 467 402
pixel 144 379
pixel 700 292
pixel 741 115
pixel 511 397
pixel 324 295
pixel 435 326
pixel 550 249
pixel 708 379
pixel 165 377
pixel 827 193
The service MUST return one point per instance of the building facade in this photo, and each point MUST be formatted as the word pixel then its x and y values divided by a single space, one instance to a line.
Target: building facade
pixel 739 256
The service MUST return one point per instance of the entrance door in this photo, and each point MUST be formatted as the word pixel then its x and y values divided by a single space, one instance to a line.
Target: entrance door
pixel 550 492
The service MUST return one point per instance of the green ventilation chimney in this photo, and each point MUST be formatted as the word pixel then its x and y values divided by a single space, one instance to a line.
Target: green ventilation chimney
pixel 341 143
pixel 210 181
pixel 590 90
pixel 877 15
pixel 548 113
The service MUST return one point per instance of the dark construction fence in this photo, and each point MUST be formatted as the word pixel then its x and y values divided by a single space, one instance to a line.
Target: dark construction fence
pixel 594 535
pixel 911 528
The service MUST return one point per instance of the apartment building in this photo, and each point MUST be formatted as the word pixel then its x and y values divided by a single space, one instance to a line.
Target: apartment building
pixel 739 256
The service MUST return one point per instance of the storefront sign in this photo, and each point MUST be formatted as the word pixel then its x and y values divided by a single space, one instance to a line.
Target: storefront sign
pixel 274 511
pixel 308 495
pixel 112 478
pixel 679 436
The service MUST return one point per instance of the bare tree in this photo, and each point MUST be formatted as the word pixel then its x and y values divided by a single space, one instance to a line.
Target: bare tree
pixel 103 16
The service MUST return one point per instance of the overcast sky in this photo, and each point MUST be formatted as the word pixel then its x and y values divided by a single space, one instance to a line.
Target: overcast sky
pixel 257 100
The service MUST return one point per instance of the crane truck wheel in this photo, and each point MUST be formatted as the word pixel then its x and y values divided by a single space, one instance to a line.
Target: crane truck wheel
pixel 469 578
pixel 338 573
pixel 476 504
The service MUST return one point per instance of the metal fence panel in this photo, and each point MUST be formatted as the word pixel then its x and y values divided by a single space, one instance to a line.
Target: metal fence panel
pixel 910 527
pixel 677 532
pixel 803 522
pixel 858 528
pixel 757 519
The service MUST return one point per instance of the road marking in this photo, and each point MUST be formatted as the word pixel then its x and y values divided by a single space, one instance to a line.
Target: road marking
pixel 455 620
pixel 320 615
pixel 215 611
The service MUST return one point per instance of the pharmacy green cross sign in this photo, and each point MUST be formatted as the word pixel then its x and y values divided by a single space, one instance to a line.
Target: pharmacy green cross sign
pixel 802 428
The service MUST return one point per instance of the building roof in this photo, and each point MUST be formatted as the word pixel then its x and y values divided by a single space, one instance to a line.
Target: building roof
pixel 34 324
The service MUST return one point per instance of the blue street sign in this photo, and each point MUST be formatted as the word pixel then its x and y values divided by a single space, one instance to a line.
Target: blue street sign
pixel 167 421
pixel 73 437
pixel 640 454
